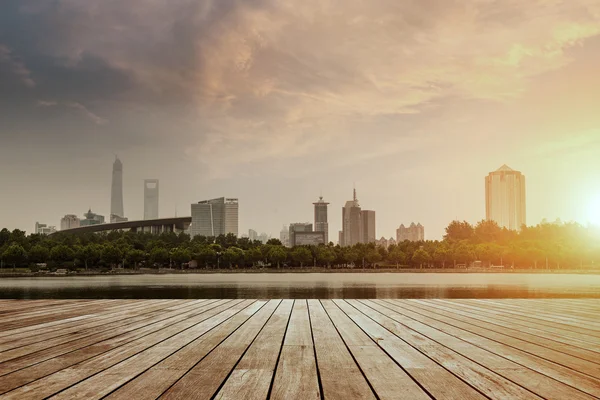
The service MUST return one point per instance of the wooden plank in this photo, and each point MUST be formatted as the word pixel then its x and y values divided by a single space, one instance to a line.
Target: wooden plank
pixel 341 378
pixel 436 380
pixel 482 379
pixel 386 377
pixel 252 376
pixel 542 377
pixel 296 375
pixel 205 378
pixel 68 347
pixel 579 339
pixel 29 345
pixel 549 340
pixel 64 371
pixel 166 354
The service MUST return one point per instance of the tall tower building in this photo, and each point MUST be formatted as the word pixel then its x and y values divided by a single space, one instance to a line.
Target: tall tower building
pixel 368 226
pixel 215 217
pixel 150 198
pixel 352 230
pixel 505 198
pixel 116 192
pixel 321 224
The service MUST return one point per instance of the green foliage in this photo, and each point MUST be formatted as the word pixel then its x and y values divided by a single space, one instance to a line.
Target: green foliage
pixel 159 256
pixel 15 255
pixel 302 256
pixel 62 254
pixel 112 255
pixel 39 254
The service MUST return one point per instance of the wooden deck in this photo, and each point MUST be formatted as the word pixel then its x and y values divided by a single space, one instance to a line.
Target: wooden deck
pixel 300 349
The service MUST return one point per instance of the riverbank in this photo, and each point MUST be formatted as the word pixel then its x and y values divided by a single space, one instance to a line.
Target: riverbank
pixel 310 270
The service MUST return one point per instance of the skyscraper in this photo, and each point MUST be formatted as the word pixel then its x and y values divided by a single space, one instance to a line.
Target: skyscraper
pixel 505 198
pixel 321 224
pixel 284 236
pixel 116 192
pixel 215 217
pixel 150 198
pixel 352 231
pixel 368 226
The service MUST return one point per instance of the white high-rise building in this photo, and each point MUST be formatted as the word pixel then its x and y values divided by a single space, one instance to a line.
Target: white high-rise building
pixel 252 235
pixel 284 236
pixel 215 217
pixel 69 221
pixel 150 199
pixel 116 192
pixel 505 198
pixel 413 233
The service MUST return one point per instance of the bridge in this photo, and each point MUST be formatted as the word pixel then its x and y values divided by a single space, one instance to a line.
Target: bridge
pixel 154 226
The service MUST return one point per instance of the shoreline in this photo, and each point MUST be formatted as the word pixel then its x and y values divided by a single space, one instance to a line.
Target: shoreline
pixel 310 270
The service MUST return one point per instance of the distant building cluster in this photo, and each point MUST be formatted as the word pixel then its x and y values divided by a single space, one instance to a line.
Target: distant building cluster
pixel 253 235
pixel 91 219
pixel 358 225
pixel 69 221
pixel 413 233
pixel 385 243
pixel 44 229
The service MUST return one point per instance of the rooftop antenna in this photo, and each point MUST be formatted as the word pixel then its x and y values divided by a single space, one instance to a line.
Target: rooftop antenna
pixel 354 191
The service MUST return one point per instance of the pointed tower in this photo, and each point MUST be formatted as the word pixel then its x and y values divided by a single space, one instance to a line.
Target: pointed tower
pixel 116 192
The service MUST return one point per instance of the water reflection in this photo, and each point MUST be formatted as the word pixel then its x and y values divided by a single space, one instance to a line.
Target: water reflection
pixel 355 285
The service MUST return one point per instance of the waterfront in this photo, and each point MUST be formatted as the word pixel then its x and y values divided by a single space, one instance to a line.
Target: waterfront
pixel 307 285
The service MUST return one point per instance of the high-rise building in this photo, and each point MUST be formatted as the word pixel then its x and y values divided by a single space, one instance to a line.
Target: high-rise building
pixel 414 233
pixel 321 224
pixel 91 219
pixel 215 217
pixel 69 221
pixel 116 191
pixel 368 226
pixel 252 235
pixel 44 229
pixel 263 238
pixel 150 199
pixel 505 198
pixel 284 236
pixel 352 231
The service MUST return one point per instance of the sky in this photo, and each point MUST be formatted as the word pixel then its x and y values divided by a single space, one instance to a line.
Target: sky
pixel 277 102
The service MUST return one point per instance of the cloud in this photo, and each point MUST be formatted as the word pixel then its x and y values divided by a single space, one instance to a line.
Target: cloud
pixel 16 66
pixel 77 106
pixel 268 78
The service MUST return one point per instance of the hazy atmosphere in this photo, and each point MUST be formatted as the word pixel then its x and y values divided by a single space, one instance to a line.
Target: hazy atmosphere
pixel 413 102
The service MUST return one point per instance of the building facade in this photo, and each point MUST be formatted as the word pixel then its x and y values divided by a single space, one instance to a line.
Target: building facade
pixel 252 235
pixel 69 221
pixel 413 233
pixel 309 238
pixel 116 190
pixel 91 219
pixel 44 229
pixel 115 218
pixel 296 228
pixel 215 217
pixel 321 223
pixel 352 231
pixel 150 199
pixel 505 198
pixel 368 226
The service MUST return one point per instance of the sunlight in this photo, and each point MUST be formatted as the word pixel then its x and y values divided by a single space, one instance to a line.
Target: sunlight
pixel 593 213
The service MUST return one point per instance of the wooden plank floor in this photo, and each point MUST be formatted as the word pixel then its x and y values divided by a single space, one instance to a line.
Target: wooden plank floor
pixel 300 349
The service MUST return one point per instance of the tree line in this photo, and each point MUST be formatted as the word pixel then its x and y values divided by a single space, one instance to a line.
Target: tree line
pixel 544 246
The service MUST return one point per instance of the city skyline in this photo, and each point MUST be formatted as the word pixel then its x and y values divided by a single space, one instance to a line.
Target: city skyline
pixel 413 101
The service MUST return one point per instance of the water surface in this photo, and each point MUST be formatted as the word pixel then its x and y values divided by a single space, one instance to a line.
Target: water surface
pixel 305 285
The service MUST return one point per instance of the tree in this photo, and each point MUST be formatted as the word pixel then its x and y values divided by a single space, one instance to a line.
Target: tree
pixel 233 256
pixel 420 257
pixel 325 255
pixel 372 257
pixel 112 255
pixel 487 231
pixel 253 255
pixel 441 254
pixel 89 254
pixel 277 254
pixel 180 256
pixel 135 256
pixel 205 255
pixel 15 254
pixel 39 254
pixel 274 242
pixel 159 256
pixel 457 231
pixel 301 255
pixel 397 256
pixel 62 254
